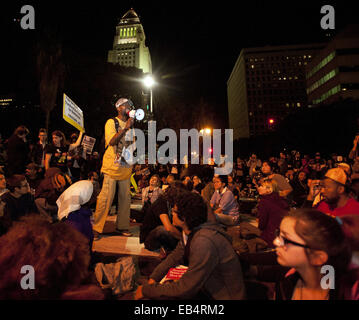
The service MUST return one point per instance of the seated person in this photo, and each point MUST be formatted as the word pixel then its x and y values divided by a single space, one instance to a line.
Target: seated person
pixel 197 184
pixel 223 203
pixel 153 191
pixel 16 203
pixel 233 187
pixel 214 271
pixel 157 229
pixel 49 190
pixel 300 188
pixel 170 179
pixel 59 257
pixel 271 210
pixel 33 175
pixel 335 193
pixel 350 282
pixel 283 186
pixel 306 241
pixel 74 207
pixel 2 184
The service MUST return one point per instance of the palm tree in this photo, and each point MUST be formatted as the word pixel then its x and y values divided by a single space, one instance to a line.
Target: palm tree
pixel 51 71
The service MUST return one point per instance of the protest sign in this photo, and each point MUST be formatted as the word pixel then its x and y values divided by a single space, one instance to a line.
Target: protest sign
pixel 73 114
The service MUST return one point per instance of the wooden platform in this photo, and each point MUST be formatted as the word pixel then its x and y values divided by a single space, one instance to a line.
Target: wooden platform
pixel 114 244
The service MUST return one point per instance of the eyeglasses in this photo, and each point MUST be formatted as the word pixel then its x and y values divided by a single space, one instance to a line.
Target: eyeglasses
pixel 282 241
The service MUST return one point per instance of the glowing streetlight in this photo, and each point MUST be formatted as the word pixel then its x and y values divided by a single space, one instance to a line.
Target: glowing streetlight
pixel 206 131
pixel 149 82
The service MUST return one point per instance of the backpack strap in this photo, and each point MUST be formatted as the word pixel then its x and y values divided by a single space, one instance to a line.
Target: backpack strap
pixel 117 126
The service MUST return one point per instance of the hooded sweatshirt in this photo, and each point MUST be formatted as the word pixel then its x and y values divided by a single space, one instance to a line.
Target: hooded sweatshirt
pixel 214 268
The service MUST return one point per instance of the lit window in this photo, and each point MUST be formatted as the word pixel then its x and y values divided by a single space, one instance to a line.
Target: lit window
pixel 298 104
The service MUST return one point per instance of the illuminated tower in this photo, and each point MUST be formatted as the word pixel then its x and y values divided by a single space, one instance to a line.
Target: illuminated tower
pixel 129 48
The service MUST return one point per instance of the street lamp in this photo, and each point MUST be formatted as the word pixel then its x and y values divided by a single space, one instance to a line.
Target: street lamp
pixel 206 131
pixel 149 82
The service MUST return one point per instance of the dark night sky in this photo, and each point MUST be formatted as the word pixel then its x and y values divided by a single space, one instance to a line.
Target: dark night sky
pixel 193 44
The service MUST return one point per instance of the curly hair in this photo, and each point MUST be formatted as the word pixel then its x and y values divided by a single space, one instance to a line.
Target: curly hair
pixel 58 253
pixel 173 191
pixel 191 208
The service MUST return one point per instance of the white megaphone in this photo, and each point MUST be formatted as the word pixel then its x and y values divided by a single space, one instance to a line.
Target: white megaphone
pixel 139 114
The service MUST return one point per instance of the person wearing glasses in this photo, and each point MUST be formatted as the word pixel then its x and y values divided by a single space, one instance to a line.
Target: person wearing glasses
pixel 17 202
pixel 308 240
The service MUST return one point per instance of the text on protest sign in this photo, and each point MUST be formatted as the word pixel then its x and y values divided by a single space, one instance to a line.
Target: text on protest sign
pixel 73 114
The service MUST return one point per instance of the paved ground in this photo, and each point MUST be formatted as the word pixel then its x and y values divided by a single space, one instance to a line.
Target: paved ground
pixel 110 247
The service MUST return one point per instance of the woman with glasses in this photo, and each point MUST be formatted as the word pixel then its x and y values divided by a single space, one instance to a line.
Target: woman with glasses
pixel 313 249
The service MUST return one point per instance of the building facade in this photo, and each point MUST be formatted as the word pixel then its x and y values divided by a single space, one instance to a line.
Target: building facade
pixel 129 47
pixel 266 84
pixel 334 73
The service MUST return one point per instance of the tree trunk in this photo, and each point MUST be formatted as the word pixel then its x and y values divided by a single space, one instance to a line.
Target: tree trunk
pixel 47 120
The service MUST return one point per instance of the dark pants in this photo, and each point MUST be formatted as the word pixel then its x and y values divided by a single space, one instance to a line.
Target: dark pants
pixel 158 238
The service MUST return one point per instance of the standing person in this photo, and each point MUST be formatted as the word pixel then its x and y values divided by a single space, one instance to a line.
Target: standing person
pixel 17 151
pixel 56 152
pixel 354 151
pixel 75 155
pixel 116 172
pixel 38 153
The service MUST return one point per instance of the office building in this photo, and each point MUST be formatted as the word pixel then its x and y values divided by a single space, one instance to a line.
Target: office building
pixel 266 84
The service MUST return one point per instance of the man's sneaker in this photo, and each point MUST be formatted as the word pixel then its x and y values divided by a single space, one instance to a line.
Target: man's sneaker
pixel 124 233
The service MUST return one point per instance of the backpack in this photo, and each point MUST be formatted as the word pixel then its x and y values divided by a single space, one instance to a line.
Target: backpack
pixel 102 146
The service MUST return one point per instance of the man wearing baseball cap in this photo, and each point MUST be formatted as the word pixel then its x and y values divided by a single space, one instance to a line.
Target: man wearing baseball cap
pixel 116 172
pixel 335 191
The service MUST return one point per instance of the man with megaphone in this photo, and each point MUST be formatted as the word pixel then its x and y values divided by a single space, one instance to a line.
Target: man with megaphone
pixel 116 170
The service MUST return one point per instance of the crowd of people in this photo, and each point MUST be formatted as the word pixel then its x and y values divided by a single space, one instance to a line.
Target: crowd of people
pixel 306 211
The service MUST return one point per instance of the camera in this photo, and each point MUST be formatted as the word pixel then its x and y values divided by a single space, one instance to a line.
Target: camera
pixel 258 176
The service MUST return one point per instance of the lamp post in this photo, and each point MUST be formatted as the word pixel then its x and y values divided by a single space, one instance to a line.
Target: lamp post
pixel 149 82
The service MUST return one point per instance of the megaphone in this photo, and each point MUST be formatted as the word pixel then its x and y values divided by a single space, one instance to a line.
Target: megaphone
pixel 138 114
